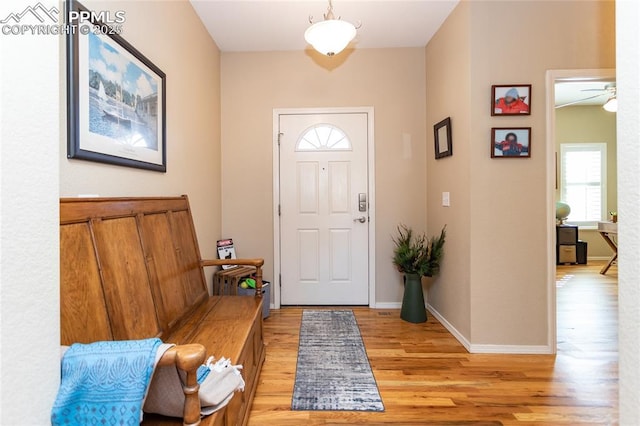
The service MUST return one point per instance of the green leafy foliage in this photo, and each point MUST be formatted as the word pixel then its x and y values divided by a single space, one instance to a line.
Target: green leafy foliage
pixel 418 254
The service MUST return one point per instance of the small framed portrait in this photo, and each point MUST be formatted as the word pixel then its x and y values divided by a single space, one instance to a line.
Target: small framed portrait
pixel 442 138
pixel 511 142
pixel 512 99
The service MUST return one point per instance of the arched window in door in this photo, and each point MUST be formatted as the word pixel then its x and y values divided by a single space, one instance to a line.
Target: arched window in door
pixel 323 137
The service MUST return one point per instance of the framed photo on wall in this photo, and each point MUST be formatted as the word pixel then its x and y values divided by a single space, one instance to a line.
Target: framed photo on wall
pixel 512 99
pixel 442 138
pixel 511 142
pixel 116 98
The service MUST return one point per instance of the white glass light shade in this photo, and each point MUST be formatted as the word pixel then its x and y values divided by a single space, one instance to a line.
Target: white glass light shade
pixel 611 105
pixel 331 36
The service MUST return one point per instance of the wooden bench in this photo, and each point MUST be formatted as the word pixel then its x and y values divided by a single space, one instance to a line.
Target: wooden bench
pixel 131 269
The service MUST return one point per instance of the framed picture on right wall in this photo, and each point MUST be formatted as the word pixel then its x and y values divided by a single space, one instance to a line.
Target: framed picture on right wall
pixel 511 99
pixel 511 142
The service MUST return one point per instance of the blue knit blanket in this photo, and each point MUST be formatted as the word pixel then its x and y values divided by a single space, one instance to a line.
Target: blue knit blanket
pixel 104 382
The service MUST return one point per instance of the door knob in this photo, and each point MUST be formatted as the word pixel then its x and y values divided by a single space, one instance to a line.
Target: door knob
pixel 360 219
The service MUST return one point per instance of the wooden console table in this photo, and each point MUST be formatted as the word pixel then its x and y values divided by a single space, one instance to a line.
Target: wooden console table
pixel 607 230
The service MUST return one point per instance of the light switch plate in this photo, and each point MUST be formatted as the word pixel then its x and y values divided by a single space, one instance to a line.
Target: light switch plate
pixel 445 199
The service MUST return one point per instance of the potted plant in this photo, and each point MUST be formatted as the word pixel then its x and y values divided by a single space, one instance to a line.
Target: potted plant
pixel 416 257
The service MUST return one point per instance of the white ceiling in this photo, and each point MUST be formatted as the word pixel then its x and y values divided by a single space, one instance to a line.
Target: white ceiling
pixel 268 25
pixel 573 91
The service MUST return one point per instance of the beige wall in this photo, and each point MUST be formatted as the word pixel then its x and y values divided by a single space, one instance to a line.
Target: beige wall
pixel 253 84
pixel 589 123
pixel 507 198
pixel 172 36
pixel 448 82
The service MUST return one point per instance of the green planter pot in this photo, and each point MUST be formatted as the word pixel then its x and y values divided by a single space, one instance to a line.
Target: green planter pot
pixel 413 309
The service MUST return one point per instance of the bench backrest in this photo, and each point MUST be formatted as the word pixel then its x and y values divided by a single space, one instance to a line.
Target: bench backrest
pixel 130 267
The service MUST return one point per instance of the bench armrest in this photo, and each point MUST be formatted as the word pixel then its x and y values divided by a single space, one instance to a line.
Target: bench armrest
pixel 248 262
pixel 187 358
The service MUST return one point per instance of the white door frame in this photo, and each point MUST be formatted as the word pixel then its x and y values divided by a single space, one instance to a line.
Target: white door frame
pixel 554 76
pixel 277 112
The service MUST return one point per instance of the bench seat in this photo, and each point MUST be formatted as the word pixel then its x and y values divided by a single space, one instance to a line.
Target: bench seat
pixel 227 326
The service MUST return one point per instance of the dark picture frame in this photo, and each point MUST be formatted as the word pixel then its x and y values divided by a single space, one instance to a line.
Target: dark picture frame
pixel 520 95
pixel 511 142
pixel 116 97
pixel 443 142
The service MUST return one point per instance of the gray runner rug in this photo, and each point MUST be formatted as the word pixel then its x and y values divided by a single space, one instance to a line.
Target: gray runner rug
pixel 333 371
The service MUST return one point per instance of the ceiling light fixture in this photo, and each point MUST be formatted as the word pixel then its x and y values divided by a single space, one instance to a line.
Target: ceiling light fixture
pixel 611 105
pixel 332 35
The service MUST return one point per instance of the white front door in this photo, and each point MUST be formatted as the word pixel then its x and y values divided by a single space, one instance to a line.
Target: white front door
pixel 324 209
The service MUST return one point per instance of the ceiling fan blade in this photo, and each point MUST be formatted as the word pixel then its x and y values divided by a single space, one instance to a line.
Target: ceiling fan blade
pixel 579 101
pixel 609 87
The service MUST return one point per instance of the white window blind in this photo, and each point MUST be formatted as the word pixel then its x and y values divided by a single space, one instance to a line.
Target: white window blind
pixel 583 181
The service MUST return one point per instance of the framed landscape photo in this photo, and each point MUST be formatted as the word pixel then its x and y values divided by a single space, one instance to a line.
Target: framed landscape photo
pixel 511 142
pixel 116 98
pixel 512 99
pixel 442 138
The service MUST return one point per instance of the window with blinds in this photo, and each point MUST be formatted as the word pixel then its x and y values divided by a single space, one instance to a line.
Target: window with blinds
pixel 583 181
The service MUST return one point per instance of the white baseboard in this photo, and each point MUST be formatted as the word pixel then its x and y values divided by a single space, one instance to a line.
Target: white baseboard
pixel 487 349
pixel 436 314
pixel 474 348
pixel 387 305
pixel 442 320
pixel 511 349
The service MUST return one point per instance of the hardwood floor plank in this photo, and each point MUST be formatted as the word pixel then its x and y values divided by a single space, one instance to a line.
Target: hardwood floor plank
pixel 426 377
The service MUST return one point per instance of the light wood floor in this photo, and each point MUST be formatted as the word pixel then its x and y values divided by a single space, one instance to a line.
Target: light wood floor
pixel 426 377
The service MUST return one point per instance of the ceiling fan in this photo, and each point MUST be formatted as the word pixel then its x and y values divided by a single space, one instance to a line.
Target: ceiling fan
pixel 608 90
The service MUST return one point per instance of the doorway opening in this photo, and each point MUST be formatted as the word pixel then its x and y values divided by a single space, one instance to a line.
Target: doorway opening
pixel 581 160
pixel 324 199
